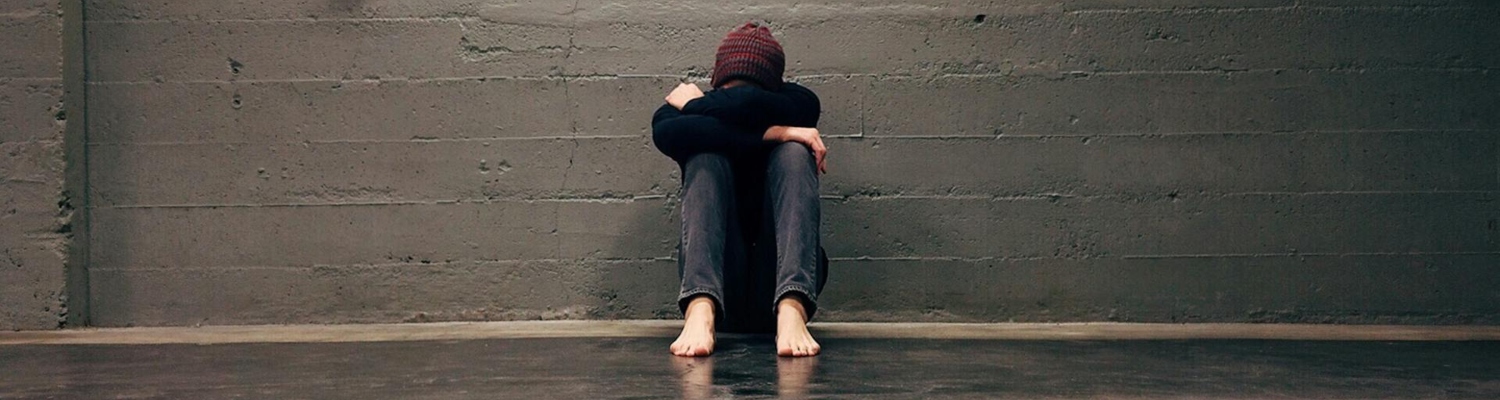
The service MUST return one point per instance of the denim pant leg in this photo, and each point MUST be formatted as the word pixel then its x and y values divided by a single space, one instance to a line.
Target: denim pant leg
pixel 711 244
pixel 793 204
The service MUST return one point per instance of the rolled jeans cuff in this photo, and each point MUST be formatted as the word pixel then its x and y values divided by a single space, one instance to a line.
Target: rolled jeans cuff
pixel 682 299
pixel 810 301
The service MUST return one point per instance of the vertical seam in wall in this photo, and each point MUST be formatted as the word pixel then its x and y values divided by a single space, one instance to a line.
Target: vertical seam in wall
pixel 86 202
pixel 75 144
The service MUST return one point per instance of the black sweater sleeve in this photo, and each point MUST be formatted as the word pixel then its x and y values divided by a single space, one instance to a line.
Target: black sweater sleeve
pixel 681 136
pixel 731 121
pixel 793 105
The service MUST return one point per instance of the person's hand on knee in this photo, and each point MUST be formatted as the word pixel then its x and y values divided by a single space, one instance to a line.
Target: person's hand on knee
pixel 809 137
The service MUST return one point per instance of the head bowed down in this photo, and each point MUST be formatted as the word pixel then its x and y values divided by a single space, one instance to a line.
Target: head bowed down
pixel 750 53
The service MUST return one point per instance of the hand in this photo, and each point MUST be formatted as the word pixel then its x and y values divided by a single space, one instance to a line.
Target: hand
pixel 807 137
pixel 684 93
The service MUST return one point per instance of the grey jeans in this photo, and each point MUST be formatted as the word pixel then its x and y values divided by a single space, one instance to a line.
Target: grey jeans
pixel 750 235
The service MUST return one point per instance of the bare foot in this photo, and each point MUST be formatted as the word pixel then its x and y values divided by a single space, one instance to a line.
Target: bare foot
pixel 697 338
pixel 792 337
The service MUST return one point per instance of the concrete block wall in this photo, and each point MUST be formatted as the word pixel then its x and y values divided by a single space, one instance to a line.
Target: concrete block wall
pixel 34 218
pixel 342 161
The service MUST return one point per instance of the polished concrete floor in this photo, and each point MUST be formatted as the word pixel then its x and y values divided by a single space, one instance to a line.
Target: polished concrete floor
pixel 744 366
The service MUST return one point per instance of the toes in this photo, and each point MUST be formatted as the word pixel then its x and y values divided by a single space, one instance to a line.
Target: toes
pixel 803 349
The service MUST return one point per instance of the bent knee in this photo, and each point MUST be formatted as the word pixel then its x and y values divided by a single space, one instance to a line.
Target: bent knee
pixel 793 157
pixel 704 168
pixel 707 161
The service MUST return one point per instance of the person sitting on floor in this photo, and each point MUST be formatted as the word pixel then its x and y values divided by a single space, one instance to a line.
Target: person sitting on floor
pixel 750 153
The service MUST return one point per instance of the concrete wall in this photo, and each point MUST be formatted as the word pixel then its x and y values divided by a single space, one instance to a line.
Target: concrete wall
pixel 34 216
pixel 333 161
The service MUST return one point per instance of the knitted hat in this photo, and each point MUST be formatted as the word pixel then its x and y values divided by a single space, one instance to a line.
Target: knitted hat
pixel 750 53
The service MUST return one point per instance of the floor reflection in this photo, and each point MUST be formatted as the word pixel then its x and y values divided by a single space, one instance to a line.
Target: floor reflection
pixel 696 374
pixel 747 367
pixel 793 375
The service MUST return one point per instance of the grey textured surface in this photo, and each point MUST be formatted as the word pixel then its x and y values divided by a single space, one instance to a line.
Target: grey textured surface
pixel 746 367
pixel 328 161
pixel 33 223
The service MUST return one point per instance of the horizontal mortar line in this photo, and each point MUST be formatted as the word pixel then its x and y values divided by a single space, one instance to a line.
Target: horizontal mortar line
pixel 958 197
pixel 835 196
pixel 1055 74
pixel 287 20
pixel 29 14
pixel 1295 7
pixel 661 76
pixel 794 79
pixel 50 235
pixel 409 265
pixel 42 142
pixel 827 197
pixel 1166 133
pixel 433 331
pixel 28 181
pixel 1350 192
pixel 1025 73
pixel 935 14
pixel 970 259
pixel 1188 195
pixel 1219 71
pixel 1312 254
pixel 942 258
pixel 4 79
pixel 842 137
pixel 480 78
pixel 497 200
pixel 373 141
pixel 1104 257
pixel 399 79
pixel 855 259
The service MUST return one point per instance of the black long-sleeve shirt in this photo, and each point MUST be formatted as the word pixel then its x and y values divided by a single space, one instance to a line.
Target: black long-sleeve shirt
pixel 731 121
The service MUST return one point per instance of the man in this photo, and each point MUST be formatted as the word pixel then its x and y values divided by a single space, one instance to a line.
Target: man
pixel 750 257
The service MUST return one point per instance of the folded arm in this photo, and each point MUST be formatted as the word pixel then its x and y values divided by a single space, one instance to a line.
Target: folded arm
pixel 681 136
pixel 793 105
pixel 736 121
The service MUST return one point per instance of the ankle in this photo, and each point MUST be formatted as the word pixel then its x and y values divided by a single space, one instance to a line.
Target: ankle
pixel 700 308
pixel 791 307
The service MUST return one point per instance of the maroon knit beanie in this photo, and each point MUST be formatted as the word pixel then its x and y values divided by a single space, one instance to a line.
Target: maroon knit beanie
pixel 750 53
